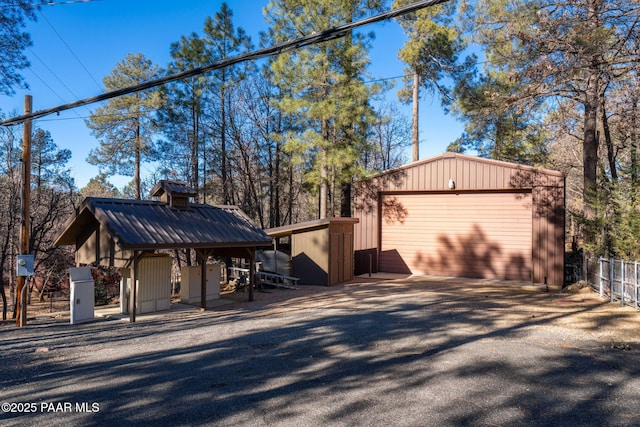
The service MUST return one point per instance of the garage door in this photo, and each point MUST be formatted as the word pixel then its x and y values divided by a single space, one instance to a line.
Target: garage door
pixel 482 235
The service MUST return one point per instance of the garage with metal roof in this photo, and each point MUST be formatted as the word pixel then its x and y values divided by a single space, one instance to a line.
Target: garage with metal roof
pixel 458 215
pixel 120 232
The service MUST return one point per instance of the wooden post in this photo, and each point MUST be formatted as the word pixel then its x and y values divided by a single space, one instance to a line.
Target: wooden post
pixel 21 292
pixel 252 271
pixel 133 288
pixel 202 255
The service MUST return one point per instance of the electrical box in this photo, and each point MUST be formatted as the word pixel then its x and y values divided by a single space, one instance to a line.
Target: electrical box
pixel 82 300
pixel 24 265
pixel 190 283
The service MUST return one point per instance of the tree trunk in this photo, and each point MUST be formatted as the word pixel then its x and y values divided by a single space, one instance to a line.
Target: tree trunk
pixel 324 185
pixel 195 151
pixel 345 199
pixel 4 303
pixel 635 184
pixel 137 160
pixel 415 140
pixel 590 156
pixel 609 142
pixel 226 198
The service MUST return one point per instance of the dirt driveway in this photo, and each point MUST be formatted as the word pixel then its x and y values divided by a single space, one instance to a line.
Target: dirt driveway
pixel 413 351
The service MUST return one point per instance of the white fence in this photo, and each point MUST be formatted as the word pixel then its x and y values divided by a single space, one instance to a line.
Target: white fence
pixel 618 280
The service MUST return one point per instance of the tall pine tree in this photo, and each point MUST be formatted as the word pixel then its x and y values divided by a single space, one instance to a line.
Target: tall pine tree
pixel 326 91
pixel 125 126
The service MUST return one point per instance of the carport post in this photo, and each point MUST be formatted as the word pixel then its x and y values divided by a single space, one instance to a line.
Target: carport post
pixel 133 289
pixel 203 255
pixel 252 271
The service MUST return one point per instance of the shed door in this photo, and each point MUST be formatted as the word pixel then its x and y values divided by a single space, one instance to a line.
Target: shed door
pixel 482 235
pixel 341 258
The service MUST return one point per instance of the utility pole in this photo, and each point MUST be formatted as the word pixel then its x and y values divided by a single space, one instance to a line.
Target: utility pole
pixel 21 292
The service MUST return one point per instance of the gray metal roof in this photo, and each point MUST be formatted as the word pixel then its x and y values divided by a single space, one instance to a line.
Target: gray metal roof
pixel 147 225
pixel 173 188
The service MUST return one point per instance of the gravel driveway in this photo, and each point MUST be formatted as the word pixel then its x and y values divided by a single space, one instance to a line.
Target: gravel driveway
pixel 405 352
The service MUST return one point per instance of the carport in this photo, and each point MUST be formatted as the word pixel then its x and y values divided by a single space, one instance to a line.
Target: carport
pixel 463 216
pixel 120 232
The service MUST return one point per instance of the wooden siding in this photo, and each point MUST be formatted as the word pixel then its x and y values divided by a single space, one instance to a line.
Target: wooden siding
pixel 98 248
pixel 310 256
pixel 486 235
pixel 472 174
pixel 321 250
pixel 341 253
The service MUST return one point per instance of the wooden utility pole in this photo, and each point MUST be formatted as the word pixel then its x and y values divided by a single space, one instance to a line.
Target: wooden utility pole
pixel 21 292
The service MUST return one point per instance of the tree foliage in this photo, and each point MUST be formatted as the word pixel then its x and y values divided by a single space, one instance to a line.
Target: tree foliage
pixel 323 90
pixel 52 202
pixel 125 126
pixel 14 15
pixel 546 60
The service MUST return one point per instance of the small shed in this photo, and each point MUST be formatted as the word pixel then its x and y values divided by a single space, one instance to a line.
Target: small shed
pixel 121 232
pixel 458 215
pixel 321 250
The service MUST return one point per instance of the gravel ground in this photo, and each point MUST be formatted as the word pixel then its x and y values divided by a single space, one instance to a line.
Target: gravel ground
pixel 405 352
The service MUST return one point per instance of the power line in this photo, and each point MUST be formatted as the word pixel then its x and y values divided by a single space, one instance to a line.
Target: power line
pixel 54 75
pixel 49 3
pixel 56 3
pixel 46 84
pixel 125 115
pixel 72 52
pixel 314 38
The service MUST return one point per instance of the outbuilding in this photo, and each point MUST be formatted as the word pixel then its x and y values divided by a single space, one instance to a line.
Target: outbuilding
pixel 321 251
pixel 464 216
pixel 128 233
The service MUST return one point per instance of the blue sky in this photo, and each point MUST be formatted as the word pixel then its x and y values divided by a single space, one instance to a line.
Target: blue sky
pixel 77 43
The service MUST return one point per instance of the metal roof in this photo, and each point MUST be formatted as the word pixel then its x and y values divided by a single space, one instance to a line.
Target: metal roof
pixel 148 225
pixel 451 155
pixel 173 188
pixel 286 230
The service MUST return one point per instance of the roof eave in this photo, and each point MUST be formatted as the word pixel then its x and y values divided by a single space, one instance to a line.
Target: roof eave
pixel 449 155
pixel 151 246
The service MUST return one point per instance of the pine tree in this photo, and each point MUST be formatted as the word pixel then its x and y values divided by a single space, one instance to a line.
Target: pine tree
pixel 568 50
pixel 326 90
pixel 125 126
pixel 13 41
pixel 432 54
pixel 181 116
pixel 223 40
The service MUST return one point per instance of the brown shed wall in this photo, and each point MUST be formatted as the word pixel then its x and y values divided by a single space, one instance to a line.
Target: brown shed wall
pixel 99 248
pixel 470 174
pixel 321 250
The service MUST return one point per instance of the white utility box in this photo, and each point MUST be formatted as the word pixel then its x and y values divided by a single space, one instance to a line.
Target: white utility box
pixel 82 300
pixel 190 283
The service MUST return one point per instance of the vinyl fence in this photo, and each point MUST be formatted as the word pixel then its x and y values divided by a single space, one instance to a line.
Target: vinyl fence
pixel 618 280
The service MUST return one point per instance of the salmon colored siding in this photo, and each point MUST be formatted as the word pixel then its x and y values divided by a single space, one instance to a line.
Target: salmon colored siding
pixel 477 234
pixel 421 184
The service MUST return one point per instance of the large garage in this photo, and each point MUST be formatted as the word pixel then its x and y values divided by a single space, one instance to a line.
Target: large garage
pixel 457 215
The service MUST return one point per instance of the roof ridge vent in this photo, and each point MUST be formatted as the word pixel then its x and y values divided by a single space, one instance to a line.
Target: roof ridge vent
pixel 174 193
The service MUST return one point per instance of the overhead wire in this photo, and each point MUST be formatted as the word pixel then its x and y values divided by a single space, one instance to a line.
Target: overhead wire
pixel 125 115
pixel 314 38
pixel 49 3
pixel 55 76
pixel 72 52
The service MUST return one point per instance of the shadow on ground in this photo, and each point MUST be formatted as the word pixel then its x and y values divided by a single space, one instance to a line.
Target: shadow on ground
pixel 405 352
